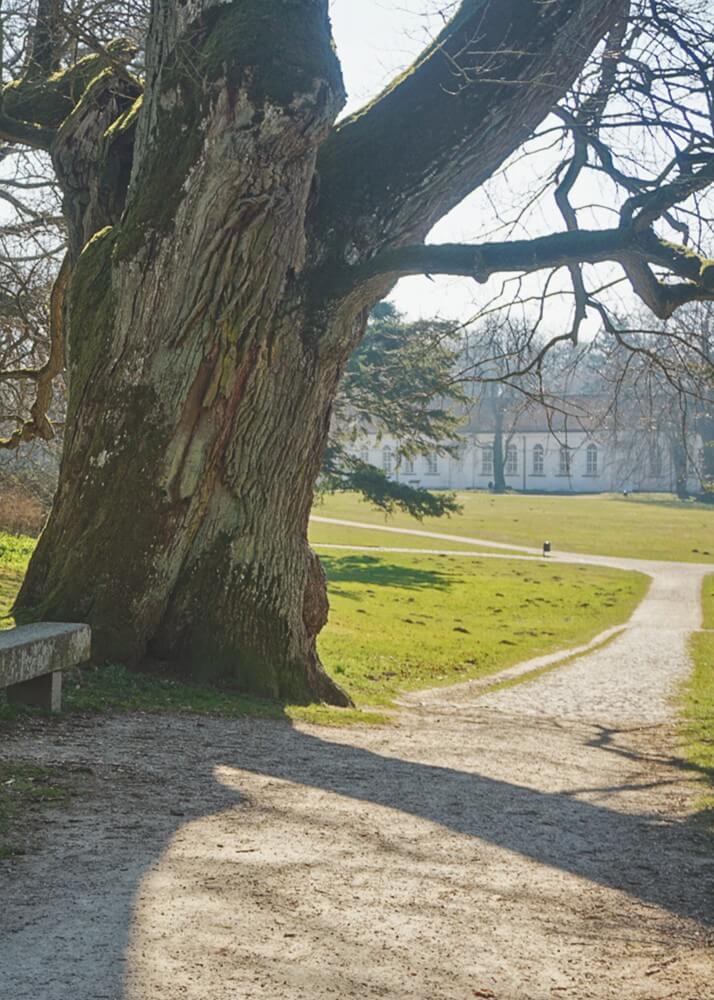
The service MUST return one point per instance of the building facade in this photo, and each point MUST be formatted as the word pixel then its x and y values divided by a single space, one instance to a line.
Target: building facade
pixel 542 453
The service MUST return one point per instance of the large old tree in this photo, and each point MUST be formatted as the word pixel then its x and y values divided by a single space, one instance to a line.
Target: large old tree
pixel 226 241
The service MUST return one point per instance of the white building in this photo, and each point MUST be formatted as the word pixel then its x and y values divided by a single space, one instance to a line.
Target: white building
pixel 544 451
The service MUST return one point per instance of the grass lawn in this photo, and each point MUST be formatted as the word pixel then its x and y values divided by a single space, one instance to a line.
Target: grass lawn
pixel 404 622
pixel 643 526
pixel 336 534
pixel 698 718
pixel 15 552
pixel 398 622
pixel 708 602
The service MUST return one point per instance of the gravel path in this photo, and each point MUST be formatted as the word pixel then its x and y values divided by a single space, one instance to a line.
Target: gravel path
pixel 520 845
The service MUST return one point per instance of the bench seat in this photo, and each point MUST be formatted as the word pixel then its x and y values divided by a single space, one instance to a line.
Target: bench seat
pixel 32 658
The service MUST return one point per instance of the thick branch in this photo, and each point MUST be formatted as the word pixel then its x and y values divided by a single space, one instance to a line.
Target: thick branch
pixel 390 172
pixel 646 208
pixel 33 109
pixel 480 262
pixel 635 251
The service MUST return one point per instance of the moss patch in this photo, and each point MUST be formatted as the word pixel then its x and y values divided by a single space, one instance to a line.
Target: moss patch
pixel 92 307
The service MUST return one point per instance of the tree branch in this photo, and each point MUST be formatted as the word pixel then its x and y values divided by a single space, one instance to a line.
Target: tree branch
pixel 33 109
pixel 39 425
pixel 391 171
pixel 634 250
pixel 482 261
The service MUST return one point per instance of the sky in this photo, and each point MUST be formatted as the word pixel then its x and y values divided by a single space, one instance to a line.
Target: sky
pixel 375 40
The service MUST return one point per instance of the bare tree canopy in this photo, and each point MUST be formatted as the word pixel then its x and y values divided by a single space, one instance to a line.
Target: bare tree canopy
pixel 227 237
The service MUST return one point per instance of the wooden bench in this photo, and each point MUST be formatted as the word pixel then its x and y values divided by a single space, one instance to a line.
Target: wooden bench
pixel 32 658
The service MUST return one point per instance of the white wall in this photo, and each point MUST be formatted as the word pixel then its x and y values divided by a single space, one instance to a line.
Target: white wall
pixel 618 468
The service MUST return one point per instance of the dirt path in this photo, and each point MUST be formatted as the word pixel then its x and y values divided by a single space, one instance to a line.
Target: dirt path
pixel 522 845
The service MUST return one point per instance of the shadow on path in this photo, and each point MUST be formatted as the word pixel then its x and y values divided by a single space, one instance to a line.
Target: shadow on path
pixel 78 897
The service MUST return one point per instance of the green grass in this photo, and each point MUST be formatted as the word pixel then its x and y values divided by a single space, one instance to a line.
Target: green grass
pixel 336 534
pixel 15 552
pixel 643 526
pixel 23 788
pixel 404 622
pixel 114 688
pixel 398 622
pixel 708 602
pixel 698 720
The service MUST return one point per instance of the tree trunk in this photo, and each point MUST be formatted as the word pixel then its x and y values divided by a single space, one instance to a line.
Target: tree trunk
pixel 199 393
pixel 213 303
pixel 499 461
pixel 679 464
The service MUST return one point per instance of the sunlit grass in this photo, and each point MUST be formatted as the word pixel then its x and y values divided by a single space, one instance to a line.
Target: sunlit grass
pixel 698 719
pixel 336 534
pixel 397 622
pixel 402 622
pixel 15 552
pixel 643 526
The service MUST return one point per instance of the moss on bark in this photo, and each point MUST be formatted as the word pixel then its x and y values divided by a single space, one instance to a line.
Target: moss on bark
pixel 48 102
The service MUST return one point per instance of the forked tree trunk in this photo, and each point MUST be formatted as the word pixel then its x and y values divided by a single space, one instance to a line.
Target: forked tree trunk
pixel 213 304
pixel 199 395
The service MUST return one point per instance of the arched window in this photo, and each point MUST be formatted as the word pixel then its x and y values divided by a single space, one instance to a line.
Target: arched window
pixel 511 460
pixel 407 466
pixel 487 461
pixel 538 460
pixel 364 455
pixel 432 464
pixel 387 460
pixel 591 460
pixel 565 462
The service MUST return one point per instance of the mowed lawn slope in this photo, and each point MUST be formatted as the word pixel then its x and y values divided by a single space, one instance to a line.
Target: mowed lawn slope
pixel 340 534
pixel 15 552
pixel 698 704
pixel 642 527
pixel 400 621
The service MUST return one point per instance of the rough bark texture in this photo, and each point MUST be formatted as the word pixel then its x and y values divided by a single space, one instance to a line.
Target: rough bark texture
pixel 206 335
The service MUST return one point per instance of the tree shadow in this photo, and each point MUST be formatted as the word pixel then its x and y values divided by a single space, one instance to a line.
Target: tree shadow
pixel 186 770
pixel 372 571
pixel 593 842
pixel 606 739
pixel 670 504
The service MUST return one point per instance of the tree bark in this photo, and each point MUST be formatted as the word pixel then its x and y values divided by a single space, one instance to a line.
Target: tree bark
pixel 200 396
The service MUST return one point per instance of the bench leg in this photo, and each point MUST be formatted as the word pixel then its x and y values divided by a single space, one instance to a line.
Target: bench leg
pixel 42 692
